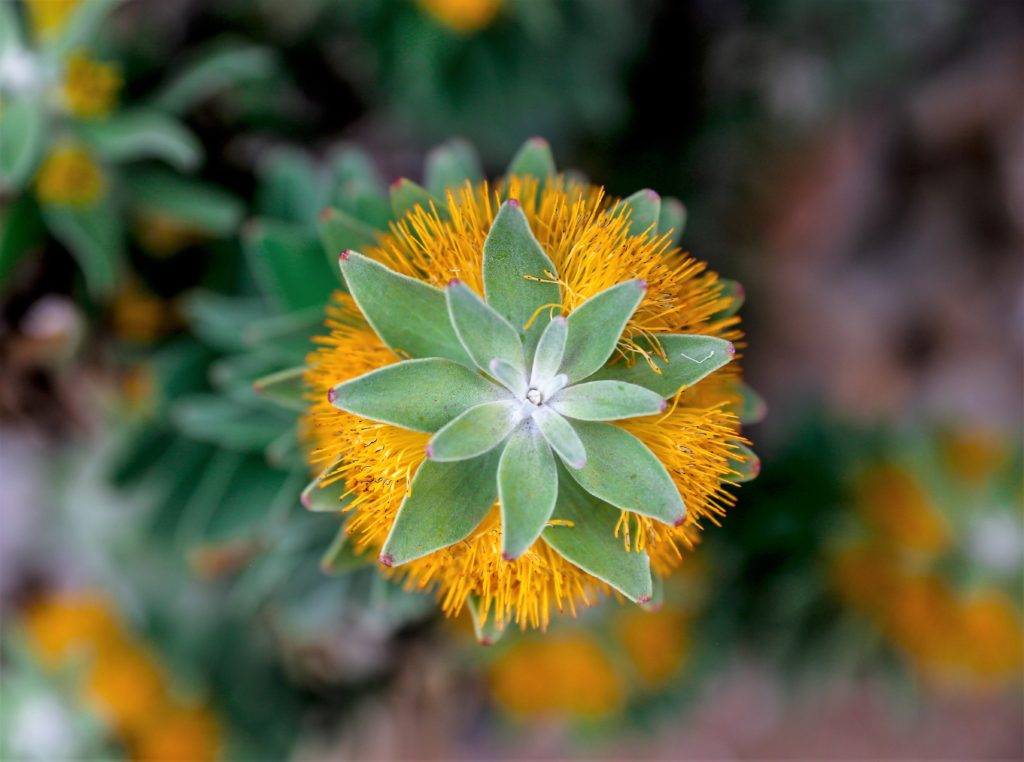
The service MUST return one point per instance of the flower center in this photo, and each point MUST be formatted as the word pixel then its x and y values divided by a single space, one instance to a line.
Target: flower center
pixel 534 396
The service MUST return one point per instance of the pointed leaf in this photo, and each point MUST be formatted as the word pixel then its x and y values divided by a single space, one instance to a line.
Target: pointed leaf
pixel 606 401
pixel 485 623
pixel 590 543
pixel 341 557
pixel 22 136
pixel 511 254
pixel 142 134
pixel 289 264
pixel 752 407
pixel 690 358
pixel 198 205
pixel 745 463
pixel 562 437
pixel 672 218
pixel 291 188
pixel 450 165
pixel 550 351
pixel 284 387
pixel 321 498
pixel 476 431
pixel 533 158
pixel 596 326
pixel 340 231
pixel 484 333
pixel 407 195
pixel 220 66
pixel 735 293
pixel 388 300
pixel 95 239
pixel 621 470
pixel 422 395
pixel 527 489
pixel 510 376
pixel 446 502
pixel 644 208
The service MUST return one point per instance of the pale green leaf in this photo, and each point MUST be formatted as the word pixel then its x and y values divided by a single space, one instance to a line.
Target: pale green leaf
pixel 533 158
pixel 511 377
pixel 672 218
pixel 22 132
pixel 562 437
pixel 196 204
pixel 340 231
pixel 606 401
pixel 596 326
pixel 744 463
pixel 141 134
pixel 527 488
pixel 422 395
pixel 325 498
pixel 479 429
pixel 285 387
pixel 340 557
pixel 484 334
pixel 450 165
pixel 644 209
pixel 288 263
pixel 407 195
pixel 550 351
pixel 690 358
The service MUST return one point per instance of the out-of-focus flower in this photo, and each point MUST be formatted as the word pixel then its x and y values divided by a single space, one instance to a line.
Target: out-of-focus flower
pixel 65 627
pixel 162 235
pixel 126 685
pixel 90 87
pixel 48 17
pixel 462 16
pixel 656 643
pixel 69 176
pixel 141 316
pixel 179 733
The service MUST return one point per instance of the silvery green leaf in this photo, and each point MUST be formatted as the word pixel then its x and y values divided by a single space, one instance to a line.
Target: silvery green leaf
pixel 484 334
pixel 22 135
pixel 752 407
pixel 511 253
pixel 198 204
pixel 479 429
pixel 511 377
pixel 450 165
pixel 285 387
pixel 421 395
pixel 672 218
pixel 533 158
pixel 644 208
pixel 590 543
pixel 606 401
pixel 550 351
pixel 562 437
pixel 621 470
pixel 321 498
pixel 527 488
pixel 142 134
pixel 734 291
pixel 289 264
pixel 596 326
pixel 340 231
pixel 485 623
pixel 744 462
pixel 387 300
pixel 690 358
pixel 407 195
pixel 341 557
pixel 446 502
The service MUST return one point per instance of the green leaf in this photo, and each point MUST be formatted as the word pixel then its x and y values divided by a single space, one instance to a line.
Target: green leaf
pixel 511 254
pixel 752 407
pixel 446 502
pixel 340 231
pixel 223 65
pixel 533 158
pixel 193 203
pixel 644 209
pixel 527 489
pixel 22 132
pixel 476 431
pixel 484 334
pixel 10 29
pixel 606 401
pixel 672 218
pixel 212 418
pixel 734 291
pixel 341 557
pixel 485 624
pixel 94 237
pixel 21 230
pixel 596 326
pixel 81 29
pixel 407 195
pixel 324 498
pixel 357 189
pixel 422 395
pixel 284 387
pixel 590 543
pixel 744 462
pixel 562 437
pixel 141 134
pixel 288 263
pixel 550 351
pixel 388 299
pixel 511 377
pixel 450 165
pixel 291 188
pixel 690 358
pixel 621 470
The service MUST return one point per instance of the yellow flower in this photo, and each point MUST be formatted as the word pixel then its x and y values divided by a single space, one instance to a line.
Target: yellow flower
pixel 162 235
pixel 127 686
pixel 65 627
pixel 179 733
pixel 141 316
pixel 565 675
pixel 592 249
pixel 90 87
pixel 656 643
pixel 69 177
pixel 48 17
pixel 897 506
pixel 462 16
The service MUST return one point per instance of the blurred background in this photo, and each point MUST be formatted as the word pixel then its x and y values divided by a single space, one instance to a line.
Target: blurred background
pixel 857 164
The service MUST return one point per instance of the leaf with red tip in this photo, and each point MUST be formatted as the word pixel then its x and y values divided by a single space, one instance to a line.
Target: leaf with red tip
pixel 596 326
pixel 285 387
pixel 407 195
pixel 339 231
pixel 644 208
pixel 533 158
pixel 690 358
pixel 485 623
pixel 606 401
pixel 744 462
pixel 527 489
pixel 341 557
pixel 672 219
pixel 324 498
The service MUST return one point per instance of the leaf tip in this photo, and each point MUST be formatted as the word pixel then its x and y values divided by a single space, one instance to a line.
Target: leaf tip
pixel 680 521
pixel 642 284
pixel 731 349
pixel 332 395
pixel 454 282
pixel 663 405
pixel 652 194
pixel 343 257
pixel 326 213
pixel 514 203
pixel 578 464
pixel 307 500
pixel 430 451
pixel 538 141
pixel 386 559
pixel 506 556
pixel 643 599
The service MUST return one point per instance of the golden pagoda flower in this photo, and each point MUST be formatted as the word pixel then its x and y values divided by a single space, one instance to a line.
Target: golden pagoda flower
pixel 177 733
pixel 69 176
pixel 48 17
pixel 528 395
pixel 90 87
pixel 61 628
pixel 463 17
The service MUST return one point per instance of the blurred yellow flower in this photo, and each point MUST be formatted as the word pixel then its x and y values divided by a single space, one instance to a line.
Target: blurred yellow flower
pixel 69 177
pixel 163 236
pixel 462 16
pixel 897 506
pixel 64 627
pixel 566 675
pixel 179 734
pixel 141 316
pixel 90 87
pixel 127 686
pixel 48 17
pixel 657 643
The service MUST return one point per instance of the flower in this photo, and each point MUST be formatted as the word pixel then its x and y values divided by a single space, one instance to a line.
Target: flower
pixel 471 433
pixel 462 16
pixel 90 87
pixel 69 176
pixel 49 17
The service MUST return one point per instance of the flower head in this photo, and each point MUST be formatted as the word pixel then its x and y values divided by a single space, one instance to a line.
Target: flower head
pixel 462 16
pixel 69 176
pixel 506 393
pixel 49 17
pixel 90 87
